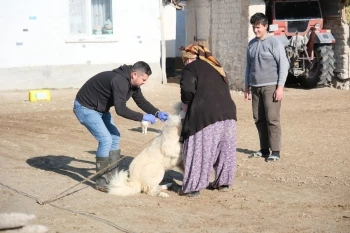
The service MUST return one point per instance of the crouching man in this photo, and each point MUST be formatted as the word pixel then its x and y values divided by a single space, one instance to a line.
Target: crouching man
pixel 98 95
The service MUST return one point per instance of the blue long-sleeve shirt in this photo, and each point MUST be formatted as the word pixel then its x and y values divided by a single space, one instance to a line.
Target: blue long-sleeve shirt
pixel 267 63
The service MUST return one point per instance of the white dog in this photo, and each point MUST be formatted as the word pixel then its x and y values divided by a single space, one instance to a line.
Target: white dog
pixel 148 168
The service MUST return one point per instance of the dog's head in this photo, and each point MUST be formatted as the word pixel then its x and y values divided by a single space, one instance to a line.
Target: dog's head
pixel 173 124
pixel 173 120
pixel 170 136
pixel 177 107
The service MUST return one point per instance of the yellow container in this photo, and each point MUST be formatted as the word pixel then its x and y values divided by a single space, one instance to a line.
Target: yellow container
pixel 35 95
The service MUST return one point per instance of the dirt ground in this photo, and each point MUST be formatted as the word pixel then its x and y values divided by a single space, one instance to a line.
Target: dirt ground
pixel 44 151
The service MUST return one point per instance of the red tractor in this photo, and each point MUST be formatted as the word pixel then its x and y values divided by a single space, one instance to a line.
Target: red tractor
pixel 298 24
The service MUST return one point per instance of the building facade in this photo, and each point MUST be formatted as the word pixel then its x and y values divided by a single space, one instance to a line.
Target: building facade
pixel 62 43
pixel 223 25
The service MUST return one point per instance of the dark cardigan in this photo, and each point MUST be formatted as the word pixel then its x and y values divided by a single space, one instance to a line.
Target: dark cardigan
pixel 207 95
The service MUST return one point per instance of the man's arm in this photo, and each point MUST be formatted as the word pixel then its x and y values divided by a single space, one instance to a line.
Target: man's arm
pixel 278 95
pixel 120 94
pixel 246 79
pixel 283 66
pixel 282 63
pixel 142 103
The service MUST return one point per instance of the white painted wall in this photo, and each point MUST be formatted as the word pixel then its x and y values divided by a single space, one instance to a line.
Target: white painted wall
pixel 254 7
pixel 170 29
pixel 47 56
pixel 180 31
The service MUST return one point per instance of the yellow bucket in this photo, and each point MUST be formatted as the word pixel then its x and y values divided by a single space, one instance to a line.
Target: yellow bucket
pixel 36 95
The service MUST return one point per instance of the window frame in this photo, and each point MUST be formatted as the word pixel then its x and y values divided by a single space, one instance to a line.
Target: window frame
pixel 89 37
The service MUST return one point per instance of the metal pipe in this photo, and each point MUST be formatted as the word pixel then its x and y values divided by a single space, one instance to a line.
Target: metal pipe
pixel 311 43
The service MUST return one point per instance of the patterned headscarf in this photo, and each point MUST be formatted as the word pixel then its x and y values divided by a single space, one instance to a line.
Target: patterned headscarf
pixel 199 51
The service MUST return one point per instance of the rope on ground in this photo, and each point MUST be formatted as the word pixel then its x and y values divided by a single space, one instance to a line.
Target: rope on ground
pixel 20 192
pixel 58 196
pixel 69 210
pixel 94 217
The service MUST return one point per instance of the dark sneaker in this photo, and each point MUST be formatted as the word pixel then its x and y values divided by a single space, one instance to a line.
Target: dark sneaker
pixel 224 188
pixel 190 194
pixel 260 154
pixel 272 158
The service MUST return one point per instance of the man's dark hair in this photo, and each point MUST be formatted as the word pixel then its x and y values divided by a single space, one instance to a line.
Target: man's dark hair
pixel 259 18
pixel 142 67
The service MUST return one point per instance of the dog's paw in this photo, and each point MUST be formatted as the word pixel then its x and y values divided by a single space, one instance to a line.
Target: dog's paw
pixel 161 194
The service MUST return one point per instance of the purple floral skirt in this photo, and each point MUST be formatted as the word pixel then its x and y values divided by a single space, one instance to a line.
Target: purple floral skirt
pixel 214 147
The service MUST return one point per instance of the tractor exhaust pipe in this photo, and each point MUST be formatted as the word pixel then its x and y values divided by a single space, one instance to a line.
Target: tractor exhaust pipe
pixel 310 44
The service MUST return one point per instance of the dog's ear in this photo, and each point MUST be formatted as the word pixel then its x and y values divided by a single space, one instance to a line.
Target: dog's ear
pixel 182 114
pixel 177 107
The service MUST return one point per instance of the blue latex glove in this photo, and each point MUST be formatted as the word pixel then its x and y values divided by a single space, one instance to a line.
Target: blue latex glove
pixel 150 118
pixel 163 116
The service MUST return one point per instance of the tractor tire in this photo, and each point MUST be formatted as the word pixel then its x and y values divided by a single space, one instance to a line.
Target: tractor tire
pixel 321 72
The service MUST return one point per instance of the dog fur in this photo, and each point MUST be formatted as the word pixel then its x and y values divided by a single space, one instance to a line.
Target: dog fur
pixel 148 168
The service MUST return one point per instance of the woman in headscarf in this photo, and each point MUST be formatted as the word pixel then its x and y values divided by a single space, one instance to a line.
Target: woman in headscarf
pixel 209 127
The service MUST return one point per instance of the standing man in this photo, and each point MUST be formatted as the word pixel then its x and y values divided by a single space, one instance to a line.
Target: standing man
pixel 98 95
pixel 266 73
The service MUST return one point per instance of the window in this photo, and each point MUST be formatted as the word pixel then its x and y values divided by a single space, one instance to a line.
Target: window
pixel 90 17
pixel 297 10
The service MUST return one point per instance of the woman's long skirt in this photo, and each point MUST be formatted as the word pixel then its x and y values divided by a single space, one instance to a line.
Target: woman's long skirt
pixel 212 147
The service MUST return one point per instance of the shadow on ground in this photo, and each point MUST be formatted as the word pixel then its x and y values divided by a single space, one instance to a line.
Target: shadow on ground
pixel 61 164
pixel 245 151
pixel 148 130
pixel 169 177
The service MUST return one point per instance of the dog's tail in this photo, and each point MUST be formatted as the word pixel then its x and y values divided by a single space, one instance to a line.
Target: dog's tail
pixel 121 185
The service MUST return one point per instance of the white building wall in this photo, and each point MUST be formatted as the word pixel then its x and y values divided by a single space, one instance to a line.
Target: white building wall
pixel 224 24
pixel 38 52
pixel 180 31
pixel 170 29
pixel 174 30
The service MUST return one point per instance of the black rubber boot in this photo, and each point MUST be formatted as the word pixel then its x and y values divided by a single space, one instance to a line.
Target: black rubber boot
pixel 102 181
pixel 114 156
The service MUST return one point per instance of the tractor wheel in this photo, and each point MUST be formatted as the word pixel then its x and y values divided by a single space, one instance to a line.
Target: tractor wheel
pixel 321 70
